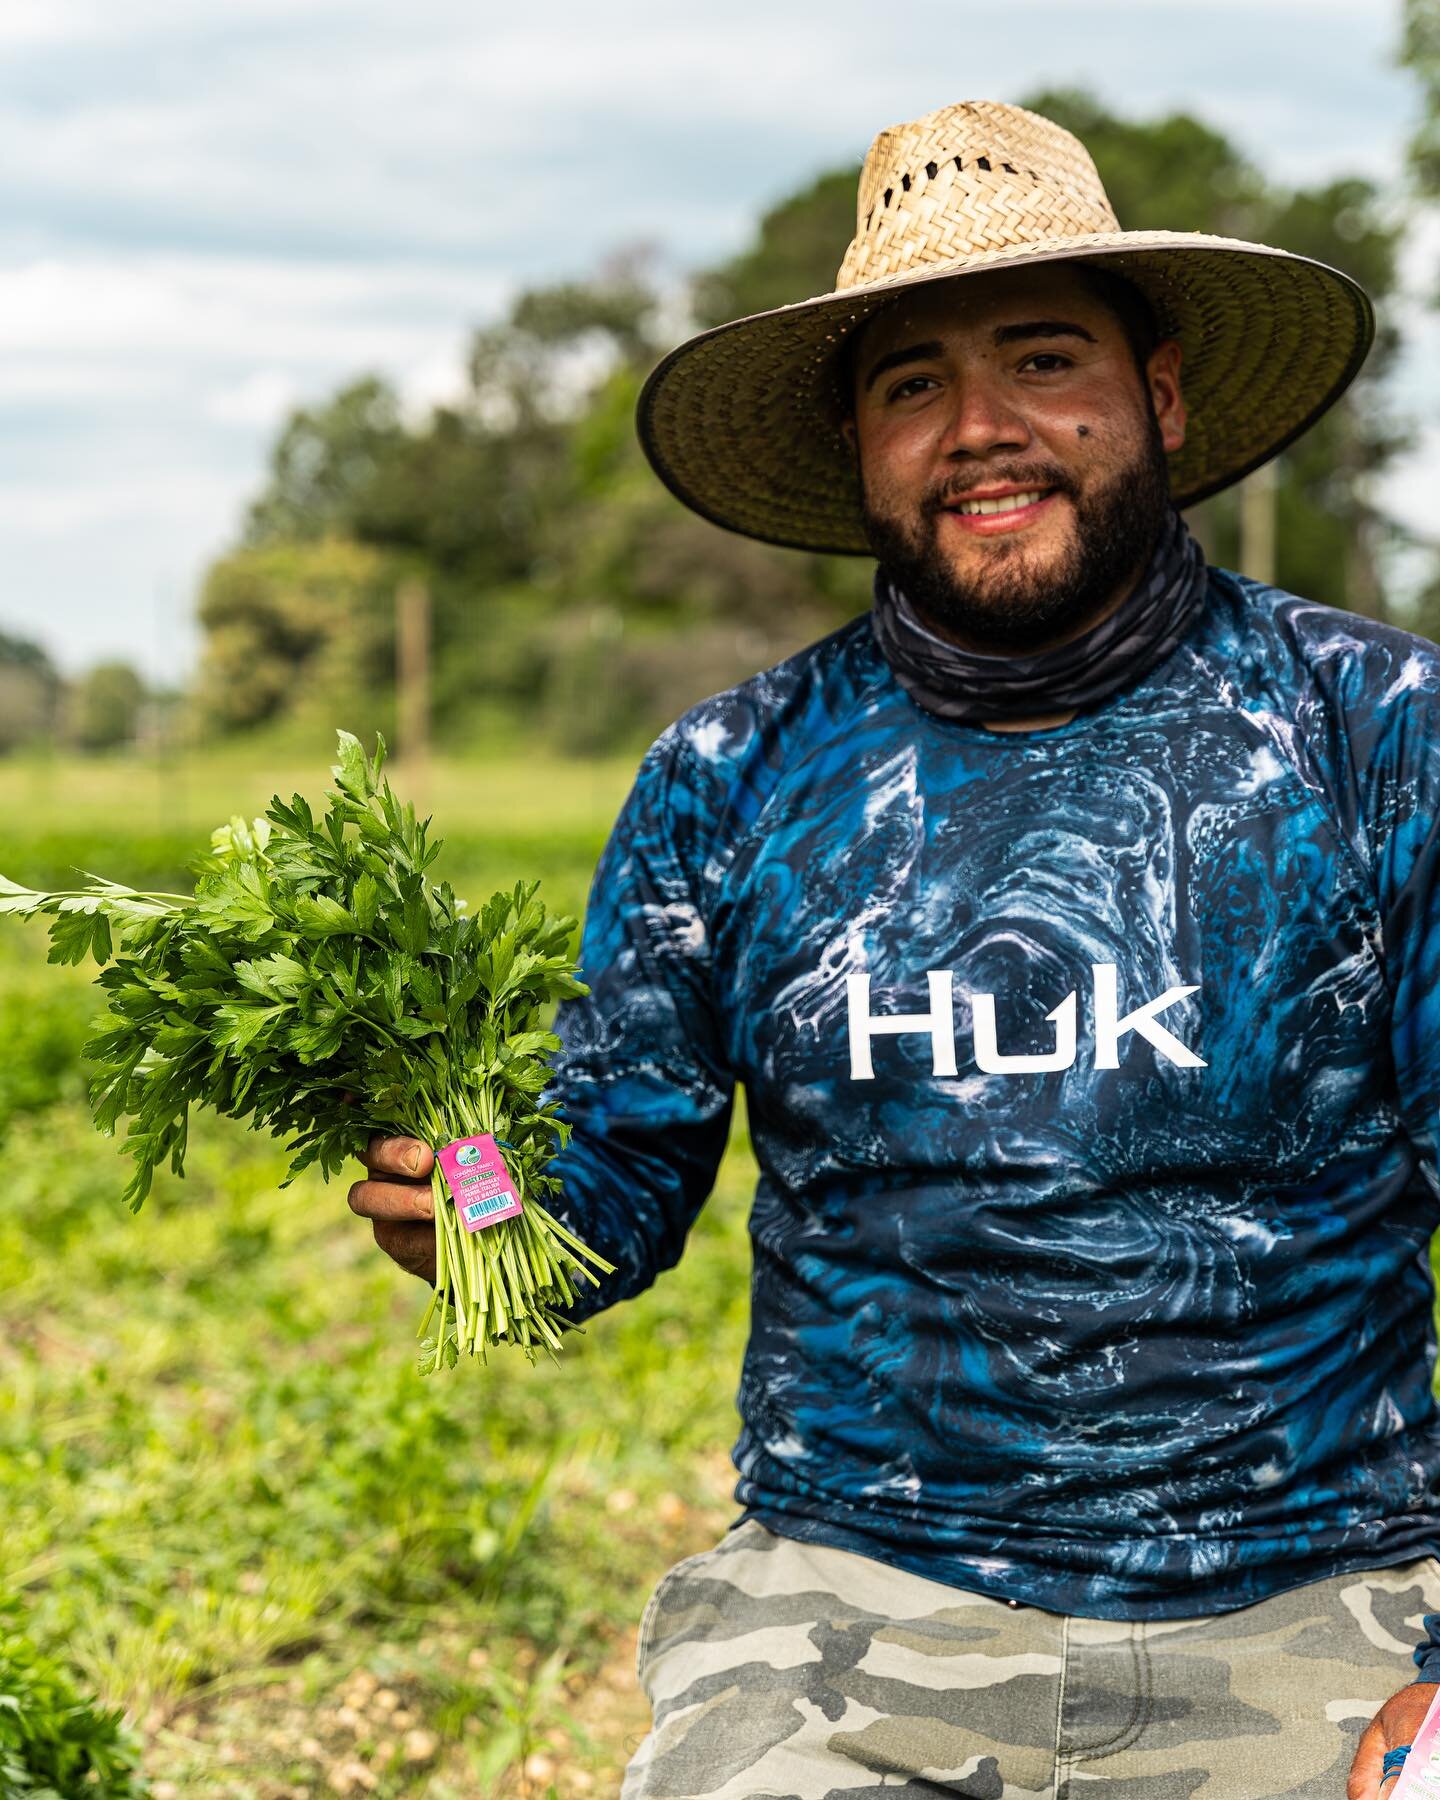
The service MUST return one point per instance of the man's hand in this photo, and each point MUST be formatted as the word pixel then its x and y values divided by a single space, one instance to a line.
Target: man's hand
pixel 1397 1722
pixel 399 1202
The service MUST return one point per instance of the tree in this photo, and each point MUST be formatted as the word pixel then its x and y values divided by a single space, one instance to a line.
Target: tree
pixel 323 463
pixel 480 498
pixel 29 693
pixel 1170 174
pixel 103 707
pixel 298 631
pixel 651 607
pixel 1420 53
pixel 798 246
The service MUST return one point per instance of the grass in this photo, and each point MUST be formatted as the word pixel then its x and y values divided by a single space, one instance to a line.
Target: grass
pixel 230 1501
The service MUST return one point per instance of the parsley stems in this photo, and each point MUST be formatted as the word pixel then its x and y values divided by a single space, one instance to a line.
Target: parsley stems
pixel 507 1281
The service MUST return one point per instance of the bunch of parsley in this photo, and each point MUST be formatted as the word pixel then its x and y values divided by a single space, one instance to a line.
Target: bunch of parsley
pixel 319 985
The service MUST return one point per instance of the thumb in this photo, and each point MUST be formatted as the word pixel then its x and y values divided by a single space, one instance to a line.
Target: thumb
pixel 1365 1771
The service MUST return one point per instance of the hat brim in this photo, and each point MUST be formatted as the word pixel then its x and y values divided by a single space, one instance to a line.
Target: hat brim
pixel 742 422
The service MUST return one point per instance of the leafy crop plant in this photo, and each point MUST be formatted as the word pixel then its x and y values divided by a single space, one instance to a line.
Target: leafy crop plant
pixel 317 984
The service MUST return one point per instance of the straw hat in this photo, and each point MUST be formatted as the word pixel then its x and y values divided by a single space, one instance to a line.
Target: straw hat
pixel 742 423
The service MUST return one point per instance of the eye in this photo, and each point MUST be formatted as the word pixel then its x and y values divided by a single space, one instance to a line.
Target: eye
pixel 899 389
pixel 1053 357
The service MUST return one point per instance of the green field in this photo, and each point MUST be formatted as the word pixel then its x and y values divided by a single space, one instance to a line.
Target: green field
pixel 229 1500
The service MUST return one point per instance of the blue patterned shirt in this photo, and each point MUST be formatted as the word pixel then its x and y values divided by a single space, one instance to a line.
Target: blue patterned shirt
pixel 1092 1076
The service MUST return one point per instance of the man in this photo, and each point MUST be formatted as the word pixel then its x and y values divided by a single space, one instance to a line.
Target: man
pixel 1073 922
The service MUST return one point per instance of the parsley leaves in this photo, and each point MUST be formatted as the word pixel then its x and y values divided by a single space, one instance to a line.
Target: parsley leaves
pixel 319 985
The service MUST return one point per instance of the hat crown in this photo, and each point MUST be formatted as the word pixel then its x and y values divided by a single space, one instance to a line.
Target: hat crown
pixel 973 177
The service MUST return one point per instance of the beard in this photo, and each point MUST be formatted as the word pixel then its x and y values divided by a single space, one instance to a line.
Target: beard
pixel 1013 607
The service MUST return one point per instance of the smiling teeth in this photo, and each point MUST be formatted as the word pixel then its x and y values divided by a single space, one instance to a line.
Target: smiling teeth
pixel 1008 503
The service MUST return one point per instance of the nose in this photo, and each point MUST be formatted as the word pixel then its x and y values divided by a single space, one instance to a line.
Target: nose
pixel 982 417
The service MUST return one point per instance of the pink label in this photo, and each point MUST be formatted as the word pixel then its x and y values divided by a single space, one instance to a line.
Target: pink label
pixel 1420 1777
pixel 477 1177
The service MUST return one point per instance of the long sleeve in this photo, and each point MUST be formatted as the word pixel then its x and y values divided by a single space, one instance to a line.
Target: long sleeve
pixel 1400 784
pixel 642 1077
pixel 1405 818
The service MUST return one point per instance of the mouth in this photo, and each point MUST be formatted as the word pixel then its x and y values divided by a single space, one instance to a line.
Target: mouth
pixel 987 515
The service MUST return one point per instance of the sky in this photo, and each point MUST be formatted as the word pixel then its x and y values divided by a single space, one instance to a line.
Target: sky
pixel 212 213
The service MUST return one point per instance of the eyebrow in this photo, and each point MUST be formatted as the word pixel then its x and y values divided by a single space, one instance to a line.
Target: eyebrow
pixel 1004 334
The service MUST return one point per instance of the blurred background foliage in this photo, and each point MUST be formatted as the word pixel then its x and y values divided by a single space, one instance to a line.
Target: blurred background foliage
pixel 575 596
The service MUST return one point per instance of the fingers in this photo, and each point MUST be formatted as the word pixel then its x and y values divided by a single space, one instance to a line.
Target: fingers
pixel 401 1204
pixel 398 1156
pixel 411 1246
pixel 393 1200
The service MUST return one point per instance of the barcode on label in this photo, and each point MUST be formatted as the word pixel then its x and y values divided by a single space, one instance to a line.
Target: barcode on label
pixel 482 1209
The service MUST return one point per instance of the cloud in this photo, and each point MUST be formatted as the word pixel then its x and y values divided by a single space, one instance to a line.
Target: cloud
pixel 223 306
pixel 53 509
pixel 450 133
pixel 263 398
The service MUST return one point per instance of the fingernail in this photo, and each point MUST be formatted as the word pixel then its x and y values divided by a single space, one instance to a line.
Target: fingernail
pixel 412 1159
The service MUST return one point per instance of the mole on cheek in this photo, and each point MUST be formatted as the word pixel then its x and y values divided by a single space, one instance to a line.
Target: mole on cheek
pixel 1082 431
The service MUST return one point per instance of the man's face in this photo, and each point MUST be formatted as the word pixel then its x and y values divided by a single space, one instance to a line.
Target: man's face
pixel 1016 382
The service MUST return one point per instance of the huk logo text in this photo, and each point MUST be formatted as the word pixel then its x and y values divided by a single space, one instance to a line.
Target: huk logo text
pixel 1110 1027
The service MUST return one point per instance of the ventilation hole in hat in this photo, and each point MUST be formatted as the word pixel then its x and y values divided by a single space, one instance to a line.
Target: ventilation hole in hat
pixel 932 170
pixel 888 193
pixel 1010 168
pixel 982 162
pixel 905 183
pixel 958 163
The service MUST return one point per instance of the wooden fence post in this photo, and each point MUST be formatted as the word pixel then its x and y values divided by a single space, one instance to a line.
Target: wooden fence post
pixel 412 683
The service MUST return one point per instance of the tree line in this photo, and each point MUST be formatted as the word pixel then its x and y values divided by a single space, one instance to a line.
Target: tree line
pixel 573 597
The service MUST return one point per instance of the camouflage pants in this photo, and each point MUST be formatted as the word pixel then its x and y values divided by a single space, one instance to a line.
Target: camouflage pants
pixel 778 1670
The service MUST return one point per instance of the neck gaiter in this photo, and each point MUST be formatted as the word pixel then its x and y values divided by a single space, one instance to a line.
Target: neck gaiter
pixel 1121 650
